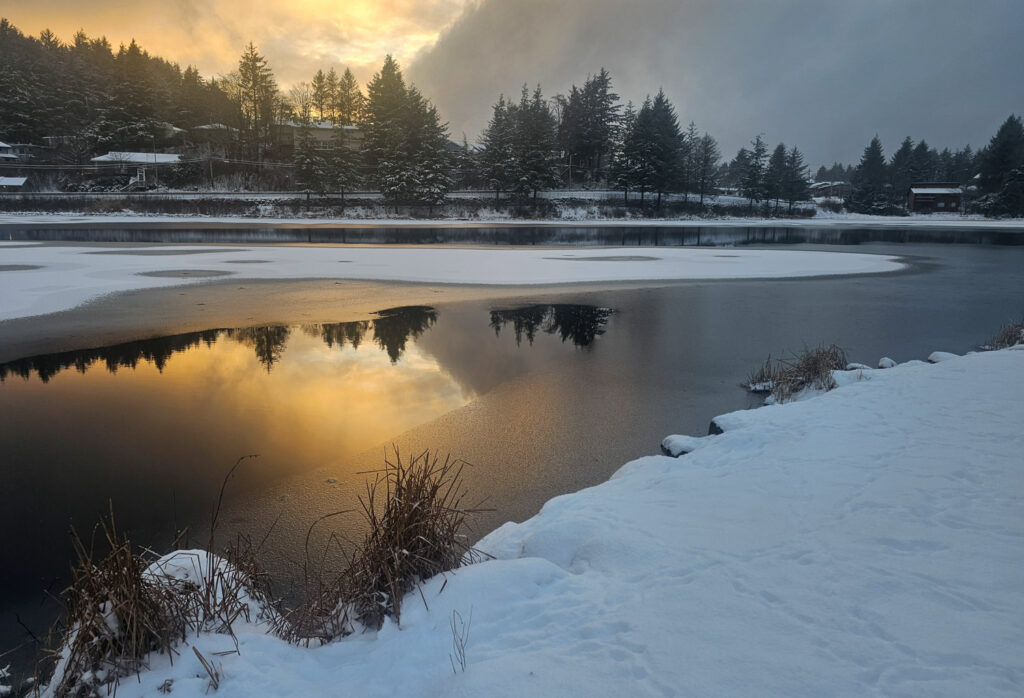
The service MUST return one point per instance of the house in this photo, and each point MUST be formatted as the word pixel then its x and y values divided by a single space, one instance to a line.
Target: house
pixel 323 134
pixel 934 197
pixel 12 183
pixel 7 153
pixel 830 190
pixel 145 164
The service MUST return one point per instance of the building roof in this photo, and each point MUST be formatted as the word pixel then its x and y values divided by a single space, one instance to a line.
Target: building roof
pixel 138 158
pixel 935 190
pixel 317 124
pixel 4 145
pixel 12 181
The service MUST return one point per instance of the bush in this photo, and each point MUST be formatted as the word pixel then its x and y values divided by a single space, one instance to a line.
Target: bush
pixel 1010 335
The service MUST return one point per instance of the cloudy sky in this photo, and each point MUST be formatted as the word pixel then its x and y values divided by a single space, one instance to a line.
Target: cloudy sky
pixel 825 75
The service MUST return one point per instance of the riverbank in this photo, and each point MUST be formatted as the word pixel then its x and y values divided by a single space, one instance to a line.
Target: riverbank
pixel 862 542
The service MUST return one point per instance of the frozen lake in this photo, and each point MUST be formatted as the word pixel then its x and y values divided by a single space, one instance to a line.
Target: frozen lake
pixel 543 392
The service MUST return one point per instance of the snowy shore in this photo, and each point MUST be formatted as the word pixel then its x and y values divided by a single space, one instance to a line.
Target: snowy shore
pixel 865 541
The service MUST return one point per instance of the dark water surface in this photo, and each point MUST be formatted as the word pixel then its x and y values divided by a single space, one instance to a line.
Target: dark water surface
pixel 543 395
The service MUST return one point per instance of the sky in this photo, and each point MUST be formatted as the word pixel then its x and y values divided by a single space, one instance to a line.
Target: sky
pixel 825 75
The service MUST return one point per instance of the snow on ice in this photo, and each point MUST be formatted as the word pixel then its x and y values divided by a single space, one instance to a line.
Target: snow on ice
pixel 69 275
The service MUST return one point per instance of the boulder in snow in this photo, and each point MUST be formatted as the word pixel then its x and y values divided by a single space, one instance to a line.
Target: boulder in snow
pixel 886 362
pixel 940 356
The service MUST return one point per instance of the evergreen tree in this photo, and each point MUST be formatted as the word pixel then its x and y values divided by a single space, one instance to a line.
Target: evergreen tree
pixel 320 95
pixel 620 174
pixel 587 126
pixel 706 162
pixel 869 182
pixel 795 186
pixel 331 97
pixel 535 144
pixel 737 170
pixel 342 163
pixel 256 92
pixel 497 160
pixel 350 101
pixel 753 184
pixel 688 147
pixel 775 176
pixel 310 167
pixel 901 168
pixel 1004 154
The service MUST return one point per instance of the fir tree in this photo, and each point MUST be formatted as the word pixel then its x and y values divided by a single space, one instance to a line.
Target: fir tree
pixel 753 185
pixel 795 184
pixel 775 176
pixel 706 162
pixel 869 182
pixel 350 101
pixel 1004 154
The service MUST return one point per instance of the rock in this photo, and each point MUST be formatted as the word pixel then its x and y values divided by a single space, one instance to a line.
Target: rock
pixel 886 362
pixel 713 428
pixel 678 445
pixel 939 356
pixel 857 367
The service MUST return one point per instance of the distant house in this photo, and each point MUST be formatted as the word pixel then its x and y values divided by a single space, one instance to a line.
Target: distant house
pixel 7 153
pixel 144 164
pixel 12 183
pixel 831 190
pixel 322 133
pixel 934 197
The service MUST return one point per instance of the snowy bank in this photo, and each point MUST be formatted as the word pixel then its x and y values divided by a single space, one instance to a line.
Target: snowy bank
pixel 867 541
pixel 38 279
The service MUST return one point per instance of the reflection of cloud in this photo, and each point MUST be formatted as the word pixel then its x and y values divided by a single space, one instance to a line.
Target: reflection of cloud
pixel 297 37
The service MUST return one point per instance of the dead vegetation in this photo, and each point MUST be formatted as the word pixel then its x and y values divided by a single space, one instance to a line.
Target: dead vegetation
pixel 1010 335
pixel 125 604
pixel 810 369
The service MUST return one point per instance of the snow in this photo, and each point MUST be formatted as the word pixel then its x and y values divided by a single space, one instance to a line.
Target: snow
pixel 12 181
pixel 866 542
pixel 71 274
pixel 137 158
pixel 936 190
pixel 938 356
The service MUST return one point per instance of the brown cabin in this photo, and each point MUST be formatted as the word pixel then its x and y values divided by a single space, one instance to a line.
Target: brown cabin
pixel 934 197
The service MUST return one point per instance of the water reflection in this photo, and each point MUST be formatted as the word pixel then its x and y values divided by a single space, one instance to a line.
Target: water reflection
pixel 392 329
pixel 580 324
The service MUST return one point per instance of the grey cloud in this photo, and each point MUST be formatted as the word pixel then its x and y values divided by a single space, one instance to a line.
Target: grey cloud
pixel 825 75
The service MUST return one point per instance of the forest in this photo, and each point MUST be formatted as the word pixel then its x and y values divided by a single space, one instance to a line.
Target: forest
pixel 63 103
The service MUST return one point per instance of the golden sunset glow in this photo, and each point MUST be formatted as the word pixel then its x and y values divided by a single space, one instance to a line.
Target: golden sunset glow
pixel 296 37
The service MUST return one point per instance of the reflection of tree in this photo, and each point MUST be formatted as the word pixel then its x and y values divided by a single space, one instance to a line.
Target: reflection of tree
pixel 126 355
pixel 393 327
pixel 338 333
pixel 579 323
pixel 267 341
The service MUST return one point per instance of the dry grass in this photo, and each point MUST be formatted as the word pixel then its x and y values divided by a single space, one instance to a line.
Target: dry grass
pixel 416 520
pixel 1010 335
pixel 785 378
pixel 116 617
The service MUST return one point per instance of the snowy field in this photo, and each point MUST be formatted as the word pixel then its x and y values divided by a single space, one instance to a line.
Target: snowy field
pixel 36 279
pixel 864 542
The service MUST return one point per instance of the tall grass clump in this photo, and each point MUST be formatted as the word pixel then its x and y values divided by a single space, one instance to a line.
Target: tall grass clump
pixel 811 369
pixel 416 520
pixel 115 617
pixel 1010 335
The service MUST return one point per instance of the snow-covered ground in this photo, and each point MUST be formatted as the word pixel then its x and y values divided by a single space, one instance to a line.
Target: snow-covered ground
pixel 864 542
pixel 569 216
pixel 37 279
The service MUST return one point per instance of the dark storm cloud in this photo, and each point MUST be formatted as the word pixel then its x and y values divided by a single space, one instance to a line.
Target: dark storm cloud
pixel 824 75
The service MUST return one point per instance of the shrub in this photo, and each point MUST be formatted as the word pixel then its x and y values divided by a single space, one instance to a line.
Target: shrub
pixel 810 369
pixel 1008 336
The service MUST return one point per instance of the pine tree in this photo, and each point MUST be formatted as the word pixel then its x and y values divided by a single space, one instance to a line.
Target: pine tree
pixel 331 97
pixel 256 92
pixel 320 95
pixel 350 101
pixel 795 186
pixel 706 162
pixel 775 176
pixel 620 174
pixel 667 144
pixel 310 167
pixel 901 168
pixel 497 161
pixel 1004 154
pixel 342 163
pixel 689 144
pixel 870 181
pixel 753 185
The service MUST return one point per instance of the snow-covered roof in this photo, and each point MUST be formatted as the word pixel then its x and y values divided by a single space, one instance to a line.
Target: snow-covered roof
pixel 8 156
pixel 213 127
pixel 935 190
pixel 317 124
pixel 12 181
pixel 4 145
pixel 138 158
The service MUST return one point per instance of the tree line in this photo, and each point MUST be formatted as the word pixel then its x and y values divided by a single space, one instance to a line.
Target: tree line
pixel 994 174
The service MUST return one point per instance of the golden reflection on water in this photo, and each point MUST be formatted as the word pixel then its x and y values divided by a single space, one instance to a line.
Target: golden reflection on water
pixel 317 403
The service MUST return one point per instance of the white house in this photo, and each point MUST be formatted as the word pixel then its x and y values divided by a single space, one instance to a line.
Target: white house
pixel 141 161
